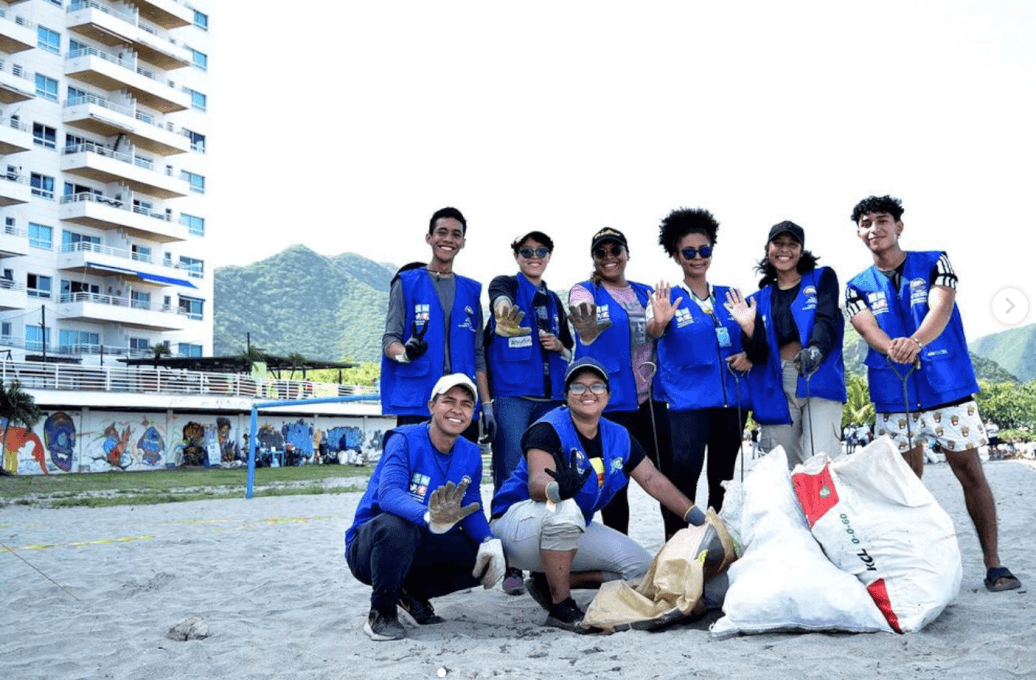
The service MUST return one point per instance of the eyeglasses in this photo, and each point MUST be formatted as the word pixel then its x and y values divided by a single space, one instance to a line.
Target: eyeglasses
pixel 577 388
pixel 538 252
pixel 689 253
pixel 614 251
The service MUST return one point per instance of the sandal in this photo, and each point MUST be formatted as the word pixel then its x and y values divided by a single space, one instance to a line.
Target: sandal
pixel 1000 578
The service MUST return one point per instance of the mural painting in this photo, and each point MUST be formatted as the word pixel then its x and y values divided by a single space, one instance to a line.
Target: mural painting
pixel 23 451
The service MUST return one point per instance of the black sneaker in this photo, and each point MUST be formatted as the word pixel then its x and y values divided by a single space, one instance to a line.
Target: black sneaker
pixel 382 626
pixel 566 615
pixel 537 586
pixel 512 584
pixel 419 610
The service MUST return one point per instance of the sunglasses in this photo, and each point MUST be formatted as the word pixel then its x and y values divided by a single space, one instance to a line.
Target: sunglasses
pixel 614 251
pixel 538 252
pixel 580 388
pixel 689 253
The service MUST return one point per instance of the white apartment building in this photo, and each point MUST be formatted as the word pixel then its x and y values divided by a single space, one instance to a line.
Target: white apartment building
pixel 103 129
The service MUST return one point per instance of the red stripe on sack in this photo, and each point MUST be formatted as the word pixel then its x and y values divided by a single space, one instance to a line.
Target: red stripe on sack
pixel 816 493
pixel 881 598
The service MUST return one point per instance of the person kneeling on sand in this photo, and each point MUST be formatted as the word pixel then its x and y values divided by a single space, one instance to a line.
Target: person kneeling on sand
pixel 574 462
pixel 411 543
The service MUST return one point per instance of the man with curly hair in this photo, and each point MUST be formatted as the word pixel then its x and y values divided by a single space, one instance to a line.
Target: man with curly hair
pixel 921 379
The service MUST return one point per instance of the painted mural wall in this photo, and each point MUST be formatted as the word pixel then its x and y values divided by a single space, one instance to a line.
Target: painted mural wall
pixel 89 440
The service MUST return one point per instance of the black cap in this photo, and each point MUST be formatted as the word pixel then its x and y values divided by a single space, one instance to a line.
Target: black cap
pixel 586 364
pixel 608 234
pixel 791 228
pixel 538 236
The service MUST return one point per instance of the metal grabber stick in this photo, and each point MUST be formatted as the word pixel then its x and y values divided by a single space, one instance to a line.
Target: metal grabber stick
pixel 651 405
pixel 906 392
pixel 809 409
pixel 740 423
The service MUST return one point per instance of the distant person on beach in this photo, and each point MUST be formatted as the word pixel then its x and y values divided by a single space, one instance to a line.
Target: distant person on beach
pixel 419 530
pixel 433 327
pixel 904 307
pixel 528 347
pixel 575 462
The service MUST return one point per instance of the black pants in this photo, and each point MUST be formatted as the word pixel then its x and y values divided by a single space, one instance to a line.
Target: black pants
pixel 716 428
pixel 390 553
pixel 639 424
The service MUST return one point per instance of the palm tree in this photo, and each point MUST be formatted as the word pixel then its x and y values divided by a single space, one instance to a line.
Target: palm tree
pixel 296 361
pixel 858 407
pixel 160 351
pixel 16 406
pixel 250 356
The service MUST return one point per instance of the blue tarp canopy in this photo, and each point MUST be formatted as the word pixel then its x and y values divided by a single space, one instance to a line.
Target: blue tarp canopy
pixel 143 276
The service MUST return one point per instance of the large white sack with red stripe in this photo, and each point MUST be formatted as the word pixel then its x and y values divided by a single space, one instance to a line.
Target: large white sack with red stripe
pixel 876 520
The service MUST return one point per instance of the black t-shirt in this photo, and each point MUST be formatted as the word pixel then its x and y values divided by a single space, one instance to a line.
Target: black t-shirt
pixel 542 436
pixel 825 328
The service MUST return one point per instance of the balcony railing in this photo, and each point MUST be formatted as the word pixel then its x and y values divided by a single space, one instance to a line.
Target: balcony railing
pixel 131 19
pixel 126 63
pixel 91 147
pixel 113 203
pixel 147 380
pixel 119 301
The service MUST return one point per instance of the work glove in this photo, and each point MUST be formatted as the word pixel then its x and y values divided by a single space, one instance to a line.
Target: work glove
pixel 568 480
pixel 508 322
pixel 416 345
pixel 584 319
pixel 490 560
pixel 694 516
pixel 488 422
pixel 808 360
pixel 444 509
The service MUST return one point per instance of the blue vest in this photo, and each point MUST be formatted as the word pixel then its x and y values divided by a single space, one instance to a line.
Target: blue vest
pixel 946 373
pixel 614 350
pixel 516 364
pixel 615 444
pixel 693 364
pixel 769 403
pixel 406 388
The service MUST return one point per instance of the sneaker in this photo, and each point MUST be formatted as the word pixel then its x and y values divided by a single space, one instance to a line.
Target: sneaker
pixel 418 609
pixel 512 584
pixel 537 586
pixel 566 615
pixel 382 626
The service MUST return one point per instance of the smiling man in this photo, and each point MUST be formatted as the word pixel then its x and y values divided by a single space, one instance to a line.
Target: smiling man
pixel 918 368
pixel 419 531
pixel 432 328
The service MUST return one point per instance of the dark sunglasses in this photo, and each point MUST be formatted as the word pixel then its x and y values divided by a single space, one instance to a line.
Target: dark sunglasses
pixel 689 253
pixel 614 251
pixel 538 252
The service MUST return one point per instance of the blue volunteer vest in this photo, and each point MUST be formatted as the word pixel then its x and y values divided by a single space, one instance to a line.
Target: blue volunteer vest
pixel 694 371
pixel 406 388
pixel 769 403
pixel 615 444
pixel 613 347
pixel 516 364
pixel 946 373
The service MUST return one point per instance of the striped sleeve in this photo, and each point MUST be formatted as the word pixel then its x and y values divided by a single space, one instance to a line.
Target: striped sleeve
pixel 943 274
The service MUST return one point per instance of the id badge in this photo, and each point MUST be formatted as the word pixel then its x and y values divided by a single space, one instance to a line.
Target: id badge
pixel 723 336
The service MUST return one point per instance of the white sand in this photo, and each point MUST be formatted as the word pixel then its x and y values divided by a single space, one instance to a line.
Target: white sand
pixel 268 579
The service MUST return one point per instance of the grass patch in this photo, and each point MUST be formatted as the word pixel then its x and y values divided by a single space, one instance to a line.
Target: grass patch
pixel 105 489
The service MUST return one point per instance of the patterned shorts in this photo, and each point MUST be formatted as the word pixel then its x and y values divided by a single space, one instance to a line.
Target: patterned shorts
pixel 954 428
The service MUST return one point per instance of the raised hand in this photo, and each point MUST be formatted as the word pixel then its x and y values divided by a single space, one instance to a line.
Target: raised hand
pixel 584 318
pixel 568 480
pixel 416 346
pixel 742 311
pixel 508 321
pixel 661 308
pixel 444 509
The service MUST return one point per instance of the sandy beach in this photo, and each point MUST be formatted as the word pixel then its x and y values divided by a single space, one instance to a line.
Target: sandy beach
pixel 92 593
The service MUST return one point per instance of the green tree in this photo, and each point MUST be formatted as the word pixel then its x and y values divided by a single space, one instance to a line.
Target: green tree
pixel 1008 404
pixel 252 355
pixel 16 406
pixel 160 351
pixel 296 361
pixel 858 407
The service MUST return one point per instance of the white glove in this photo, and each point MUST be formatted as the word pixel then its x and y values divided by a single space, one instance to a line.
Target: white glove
pixel 490 558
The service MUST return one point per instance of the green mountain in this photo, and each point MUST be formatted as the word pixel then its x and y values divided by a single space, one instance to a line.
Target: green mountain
pixel 324 308
pixel 1013 349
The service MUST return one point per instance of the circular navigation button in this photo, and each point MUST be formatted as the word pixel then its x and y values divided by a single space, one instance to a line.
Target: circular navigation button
pixel 1010 306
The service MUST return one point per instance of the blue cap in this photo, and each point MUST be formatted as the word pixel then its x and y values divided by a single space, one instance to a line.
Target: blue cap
pixel 586 364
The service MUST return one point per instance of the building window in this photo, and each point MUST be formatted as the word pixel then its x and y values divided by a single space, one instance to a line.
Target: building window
pixel 70 241
pixel 197 140
pixel 201 60
pixel 41 236
pixel 195 225
pixel 196 181
pixel 38 286
pixel 194 308
pixel 42 185
pixel 76 96
pixel 5 331
pixel 45 136
pixel 139 344
pixel 78 341
pixel 201 20
pixel 140 300
pixel 195 268
pixel 198 100
pixel 36 337
pixel 185 349
pixel 46 87
pixel 47 39
pixel 141 253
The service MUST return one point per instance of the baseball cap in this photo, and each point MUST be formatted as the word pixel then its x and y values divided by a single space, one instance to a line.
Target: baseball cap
pixel 787 227
pixel 445 383
pixel 538 236
pixel 586 364
pixel 608 234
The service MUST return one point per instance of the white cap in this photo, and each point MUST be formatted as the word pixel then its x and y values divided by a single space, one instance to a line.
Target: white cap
pixel 443 385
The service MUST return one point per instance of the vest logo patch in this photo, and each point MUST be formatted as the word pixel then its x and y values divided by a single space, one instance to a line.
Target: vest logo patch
pixel 878 303
pixel 683 317
pixel 468 319
pixel 603 314
pixel 422 313
pixel 918 292
pixel 520 341
pixel 810 293
pixel 419 486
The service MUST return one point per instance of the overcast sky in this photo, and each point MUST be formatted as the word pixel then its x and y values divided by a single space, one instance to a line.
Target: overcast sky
pixel 344 132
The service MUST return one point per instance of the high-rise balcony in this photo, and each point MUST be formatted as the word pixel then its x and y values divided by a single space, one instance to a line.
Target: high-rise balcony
pixel 14 188
pixel 12 295
pixel 111 72
pixel 15 83
pixel 103 212
pixel 93 258
pixel 108 119
pixel 116 27
pixel 102 164
pixel 120 309
pixel 16 34
pixel 165 13
pixel 14 136
pixel 13 242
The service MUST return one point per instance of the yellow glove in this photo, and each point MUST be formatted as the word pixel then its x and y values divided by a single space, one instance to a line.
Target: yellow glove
pixel 508 320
